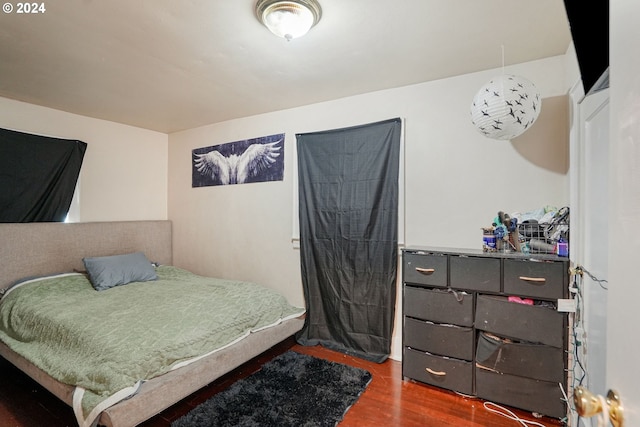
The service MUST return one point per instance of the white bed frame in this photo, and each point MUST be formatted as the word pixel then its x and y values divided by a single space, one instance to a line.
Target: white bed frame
pixel 45 248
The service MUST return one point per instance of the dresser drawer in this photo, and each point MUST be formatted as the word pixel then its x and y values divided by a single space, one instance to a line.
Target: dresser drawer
pixel 535 279
pixel 536 361
pixel 475 273
pixel 444 340
pixel 544 397
pixel 521 322
pixel 438 305
pixel 425 269
pixel 452 374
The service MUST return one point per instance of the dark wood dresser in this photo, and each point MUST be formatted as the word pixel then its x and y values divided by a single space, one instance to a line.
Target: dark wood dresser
pixel 487 325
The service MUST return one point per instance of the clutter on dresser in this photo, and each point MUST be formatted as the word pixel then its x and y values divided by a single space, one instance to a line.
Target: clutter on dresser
pixel 541 231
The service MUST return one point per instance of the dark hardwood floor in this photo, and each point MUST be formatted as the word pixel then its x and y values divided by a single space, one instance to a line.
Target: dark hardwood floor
pixel 388 401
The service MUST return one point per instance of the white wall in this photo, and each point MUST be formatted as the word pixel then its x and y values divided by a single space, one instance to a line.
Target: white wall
pixel 124 171
pixel 456 179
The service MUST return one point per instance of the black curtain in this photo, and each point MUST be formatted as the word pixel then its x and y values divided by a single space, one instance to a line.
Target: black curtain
pixel 348 199
pixel 38 175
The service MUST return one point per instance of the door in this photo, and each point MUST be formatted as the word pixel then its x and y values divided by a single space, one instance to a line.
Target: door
pixel 605 189
pixel 623 314
pixel 590 238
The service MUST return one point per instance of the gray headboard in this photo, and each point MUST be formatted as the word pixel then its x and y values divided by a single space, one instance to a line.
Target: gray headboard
pixel 32 249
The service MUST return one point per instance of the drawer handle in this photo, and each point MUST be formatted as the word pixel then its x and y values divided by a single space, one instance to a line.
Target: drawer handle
pixel 438 373
pixel 533 279
pixel 425 270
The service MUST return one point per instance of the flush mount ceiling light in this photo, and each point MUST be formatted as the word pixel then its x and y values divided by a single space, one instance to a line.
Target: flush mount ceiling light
pixel 505 107
pixel 288 18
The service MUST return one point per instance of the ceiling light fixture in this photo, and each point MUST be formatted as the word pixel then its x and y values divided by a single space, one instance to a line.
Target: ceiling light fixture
pixel 288 18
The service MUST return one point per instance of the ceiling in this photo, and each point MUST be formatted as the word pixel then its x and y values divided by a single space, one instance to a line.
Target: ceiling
pixel 170 65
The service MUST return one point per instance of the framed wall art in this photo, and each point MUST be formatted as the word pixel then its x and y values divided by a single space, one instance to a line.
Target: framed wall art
pixel 240 162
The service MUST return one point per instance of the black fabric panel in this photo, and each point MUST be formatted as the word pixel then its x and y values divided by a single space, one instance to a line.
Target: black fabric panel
pixel 38 175
pixel 348 200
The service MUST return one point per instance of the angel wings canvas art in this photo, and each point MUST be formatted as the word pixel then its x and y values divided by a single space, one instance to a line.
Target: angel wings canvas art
pixel 240 162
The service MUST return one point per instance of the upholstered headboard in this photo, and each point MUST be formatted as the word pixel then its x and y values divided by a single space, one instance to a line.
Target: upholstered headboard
pixel 32 249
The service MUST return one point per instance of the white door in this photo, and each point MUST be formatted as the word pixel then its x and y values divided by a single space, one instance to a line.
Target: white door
pixel 591 241
pixel 623 315
pixel 613 364
pixel 605 213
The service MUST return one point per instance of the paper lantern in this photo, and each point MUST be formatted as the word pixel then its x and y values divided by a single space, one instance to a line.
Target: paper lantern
pixel 505 107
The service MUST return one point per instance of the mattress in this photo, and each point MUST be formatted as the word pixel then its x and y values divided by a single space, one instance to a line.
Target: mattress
pixel 107 343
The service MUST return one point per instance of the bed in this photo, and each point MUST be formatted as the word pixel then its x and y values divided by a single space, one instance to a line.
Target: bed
pixel 47 260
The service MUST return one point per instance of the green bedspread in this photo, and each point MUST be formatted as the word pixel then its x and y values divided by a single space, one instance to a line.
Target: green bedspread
pixel 108 341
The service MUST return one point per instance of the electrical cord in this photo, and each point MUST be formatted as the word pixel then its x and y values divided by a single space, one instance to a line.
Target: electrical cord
pixel 592 277
pixel 578 341
pixel 576 357
pixel 579 372
pixel 504 412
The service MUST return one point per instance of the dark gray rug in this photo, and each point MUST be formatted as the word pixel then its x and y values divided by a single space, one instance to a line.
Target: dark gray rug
pixel 291 390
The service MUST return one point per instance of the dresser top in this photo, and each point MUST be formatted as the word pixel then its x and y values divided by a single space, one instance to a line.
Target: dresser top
pixel 481 253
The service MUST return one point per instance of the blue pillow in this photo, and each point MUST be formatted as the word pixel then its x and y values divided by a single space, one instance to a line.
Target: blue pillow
pixel 109 271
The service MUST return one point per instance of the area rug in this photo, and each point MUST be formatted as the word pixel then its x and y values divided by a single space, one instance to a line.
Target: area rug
pixel 291 390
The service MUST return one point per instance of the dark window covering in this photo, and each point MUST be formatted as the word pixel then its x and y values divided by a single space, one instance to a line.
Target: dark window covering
pixel 348 201
pixel 38 175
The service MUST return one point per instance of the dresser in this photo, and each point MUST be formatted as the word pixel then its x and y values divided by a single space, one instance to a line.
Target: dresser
pixel 487 325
